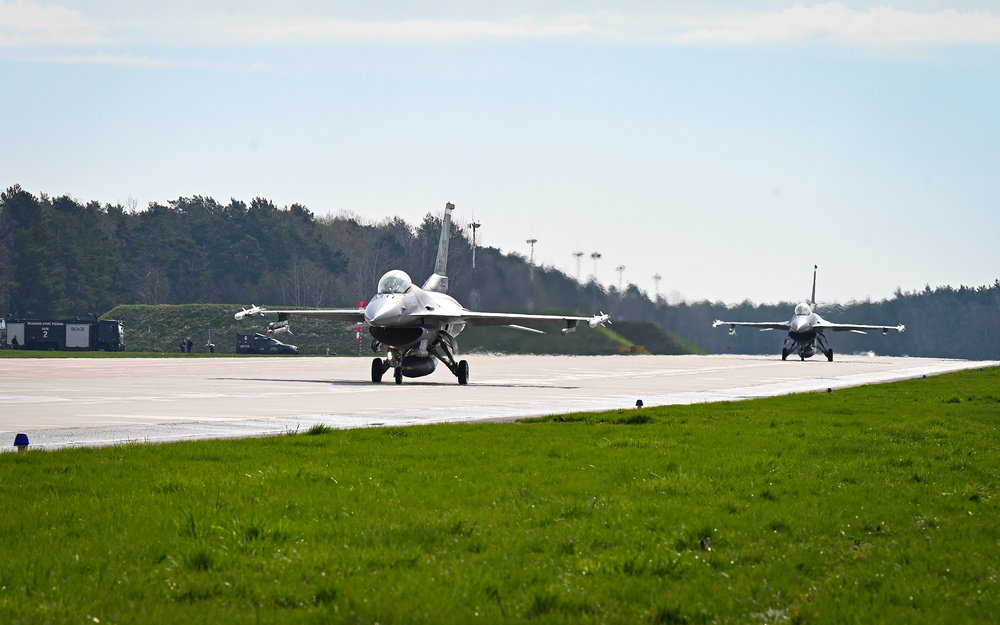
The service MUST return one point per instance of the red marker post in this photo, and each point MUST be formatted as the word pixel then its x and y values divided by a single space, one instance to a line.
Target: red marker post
pixel 357 335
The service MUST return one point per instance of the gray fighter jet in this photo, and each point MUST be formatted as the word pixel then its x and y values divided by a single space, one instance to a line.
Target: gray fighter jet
pixel 419 325
pixel 806 328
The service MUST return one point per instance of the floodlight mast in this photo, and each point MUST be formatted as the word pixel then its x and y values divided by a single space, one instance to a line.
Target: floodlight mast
pixel 578 256
pixel 475 225
pixel 531 259
pixel 656 279
pixel 620 269
pixel 596 256
pixel 474 296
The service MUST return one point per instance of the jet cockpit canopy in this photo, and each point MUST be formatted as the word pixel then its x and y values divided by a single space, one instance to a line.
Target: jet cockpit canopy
pixel 395 281
pixel 801 310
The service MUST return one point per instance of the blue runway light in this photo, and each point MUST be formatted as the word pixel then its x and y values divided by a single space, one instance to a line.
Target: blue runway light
pixel 638 403
pixel 21 442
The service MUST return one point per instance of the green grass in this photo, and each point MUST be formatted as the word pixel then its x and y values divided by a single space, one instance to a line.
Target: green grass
pixel 867 505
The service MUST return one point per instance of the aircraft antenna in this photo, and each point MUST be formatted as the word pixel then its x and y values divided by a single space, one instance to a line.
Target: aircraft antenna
pixel 813 302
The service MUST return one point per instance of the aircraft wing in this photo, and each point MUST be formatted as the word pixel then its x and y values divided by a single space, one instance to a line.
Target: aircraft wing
pixel 514 320
pixel 859 329
pixel 352 315
pixel 763 325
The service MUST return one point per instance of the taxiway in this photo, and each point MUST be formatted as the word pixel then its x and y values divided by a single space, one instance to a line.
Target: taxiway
pixel 64 402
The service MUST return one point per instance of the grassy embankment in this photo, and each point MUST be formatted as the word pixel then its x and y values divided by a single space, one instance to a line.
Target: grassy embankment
pixel 867 505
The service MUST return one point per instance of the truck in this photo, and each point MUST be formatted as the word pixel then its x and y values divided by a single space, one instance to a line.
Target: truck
pixel 257 343
pixel 77 334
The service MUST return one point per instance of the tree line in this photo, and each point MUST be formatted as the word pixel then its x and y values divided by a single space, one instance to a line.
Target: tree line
pixel 62 258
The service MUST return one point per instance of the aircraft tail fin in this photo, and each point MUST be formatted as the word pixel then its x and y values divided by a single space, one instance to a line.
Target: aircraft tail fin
pixel 812 302
pixel 439 279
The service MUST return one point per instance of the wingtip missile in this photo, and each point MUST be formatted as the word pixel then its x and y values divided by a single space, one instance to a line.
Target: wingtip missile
pixel 248 312
pixel 599 320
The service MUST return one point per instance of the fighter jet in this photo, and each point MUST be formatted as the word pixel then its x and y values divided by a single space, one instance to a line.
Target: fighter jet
pixel 805 329
pixel 418 326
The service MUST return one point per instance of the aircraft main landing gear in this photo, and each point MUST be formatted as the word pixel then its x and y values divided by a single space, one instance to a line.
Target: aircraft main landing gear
pixel 379 367
pixel 784 353
pixel 445 352
pixel 829 354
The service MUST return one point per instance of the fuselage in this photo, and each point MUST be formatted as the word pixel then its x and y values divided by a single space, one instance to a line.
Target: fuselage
pixel 804 325
pixel 803 328
pixel 402 314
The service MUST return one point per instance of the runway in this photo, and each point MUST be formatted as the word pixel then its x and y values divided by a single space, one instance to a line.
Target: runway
pixel 66 402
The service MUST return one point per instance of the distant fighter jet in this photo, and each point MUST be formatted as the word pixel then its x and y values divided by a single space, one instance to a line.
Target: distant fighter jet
pixel 805 329
pixel 417 325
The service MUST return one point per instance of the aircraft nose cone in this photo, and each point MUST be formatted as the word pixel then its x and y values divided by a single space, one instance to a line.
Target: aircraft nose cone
pixel 799 325
pixel 383 312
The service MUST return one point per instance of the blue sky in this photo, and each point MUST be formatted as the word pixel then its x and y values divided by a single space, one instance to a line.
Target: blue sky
pixel 727 148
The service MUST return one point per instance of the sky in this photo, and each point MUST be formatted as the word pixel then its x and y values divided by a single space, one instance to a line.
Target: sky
pixel 726 147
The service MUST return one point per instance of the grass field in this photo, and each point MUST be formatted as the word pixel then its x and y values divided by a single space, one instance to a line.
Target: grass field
pixel 867 505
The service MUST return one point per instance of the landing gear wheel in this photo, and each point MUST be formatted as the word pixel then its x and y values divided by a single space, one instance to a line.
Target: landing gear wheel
pixel 784 353
pixel 463 372
pixel 398 374
pixel 378 368
pixel 829 354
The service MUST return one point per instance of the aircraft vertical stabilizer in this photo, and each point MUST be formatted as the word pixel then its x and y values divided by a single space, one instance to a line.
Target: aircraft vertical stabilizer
pixel 812 302
pixel 439 280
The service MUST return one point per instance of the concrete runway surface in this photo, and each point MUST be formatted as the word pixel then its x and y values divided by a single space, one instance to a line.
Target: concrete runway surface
pixel 65 402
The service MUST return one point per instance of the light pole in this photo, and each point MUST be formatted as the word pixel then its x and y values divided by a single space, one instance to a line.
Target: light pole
pixel 474 295
pixel 475 226
pixel 531 260
pixel 578 256
pixel 596 256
